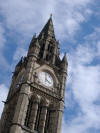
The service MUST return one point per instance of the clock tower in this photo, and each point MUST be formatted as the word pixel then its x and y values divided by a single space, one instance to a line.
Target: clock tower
pixel 36 97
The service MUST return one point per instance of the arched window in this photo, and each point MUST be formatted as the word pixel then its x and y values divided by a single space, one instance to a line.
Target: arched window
pixel 28 114
pixel 38 118
pixel 47 120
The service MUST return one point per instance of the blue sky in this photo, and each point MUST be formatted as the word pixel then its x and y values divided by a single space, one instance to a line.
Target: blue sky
pixel 77 27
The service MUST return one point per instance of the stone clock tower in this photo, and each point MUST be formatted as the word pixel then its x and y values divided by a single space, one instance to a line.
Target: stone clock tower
pixel 36 98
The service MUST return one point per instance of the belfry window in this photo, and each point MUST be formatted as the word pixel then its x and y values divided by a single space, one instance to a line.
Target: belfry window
pixel 49 52
pixel 41 54
pixel 41 50
pixel 50 48
pixel 47 57
pixel 42 47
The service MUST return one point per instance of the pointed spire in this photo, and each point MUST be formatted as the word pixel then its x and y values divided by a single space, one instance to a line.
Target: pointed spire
pixel 20 62
pixel 51 15
pixel 64 60
pixel 64 63
pixel 48 29
pixel 34 38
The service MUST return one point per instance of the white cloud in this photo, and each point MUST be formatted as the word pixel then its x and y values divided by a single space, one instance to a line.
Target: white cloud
pixel 3 96
pixel 98 48
pixel 84 84
pixel 27 17
pixel 2 38
pixel 19 53
pixel 3 61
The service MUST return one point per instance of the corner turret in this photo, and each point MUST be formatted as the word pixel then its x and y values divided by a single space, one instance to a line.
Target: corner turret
pixel 34 47
pixel 64 63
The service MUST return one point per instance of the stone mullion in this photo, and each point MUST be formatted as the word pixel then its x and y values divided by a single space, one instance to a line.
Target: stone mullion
pixel 42 119
pixel 33 115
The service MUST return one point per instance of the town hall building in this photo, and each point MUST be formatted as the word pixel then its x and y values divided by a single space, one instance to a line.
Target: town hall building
pixel 35 101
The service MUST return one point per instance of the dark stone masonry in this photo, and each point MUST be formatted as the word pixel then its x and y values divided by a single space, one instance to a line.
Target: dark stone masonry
pixel 36 97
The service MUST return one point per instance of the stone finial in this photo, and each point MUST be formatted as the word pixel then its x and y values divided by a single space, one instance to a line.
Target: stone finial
pixel 51 15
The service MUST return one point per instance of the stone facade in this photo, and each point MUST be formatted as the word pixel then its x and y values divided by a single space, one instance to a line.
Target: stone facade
pixel 33 106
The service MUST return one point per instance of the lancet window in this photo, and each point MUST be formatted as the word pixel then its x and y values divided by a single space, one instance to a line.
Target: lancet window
pixel 38 118
pixel 28 114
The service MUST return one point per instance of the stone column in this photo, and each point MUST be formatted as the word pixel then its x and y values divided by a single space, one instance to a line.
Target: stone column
pixel 45 104
pixel 59 116
pixel 36 100
pixel 53 119
pixel 20 111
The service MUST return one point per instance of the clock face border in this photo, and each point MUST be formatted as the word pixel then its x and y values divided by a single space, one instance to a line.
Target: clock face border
pixel 46 78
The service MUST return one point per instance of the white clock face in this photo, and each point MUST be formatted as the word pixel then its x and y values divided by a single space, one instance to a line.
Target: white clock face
pixel 46 79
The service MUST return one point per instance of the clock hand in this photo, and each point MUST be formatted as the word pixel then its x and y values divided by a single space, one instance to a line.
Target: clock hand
pixel 48 81
pixel 45 78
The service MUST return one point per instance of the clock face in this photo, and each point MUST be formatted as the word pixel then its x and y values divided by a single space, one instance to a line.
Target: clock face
pixel 46 79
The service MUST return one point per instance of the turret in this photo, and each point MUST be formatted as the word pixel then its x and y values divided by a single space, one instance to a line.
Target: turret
pixel 64 64
pixel 34 47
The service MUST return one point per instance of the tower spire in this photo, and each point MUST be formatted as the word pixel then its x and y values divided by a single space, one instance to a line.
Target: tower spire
pixel 48 30
pixel 51 15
